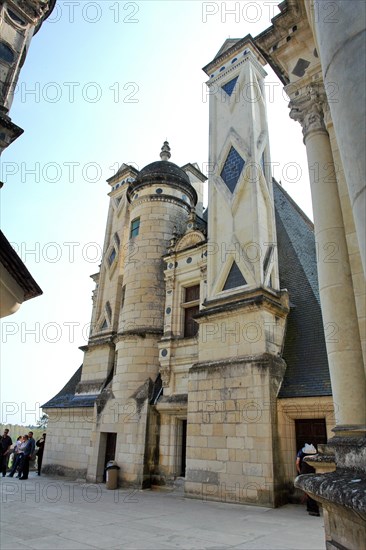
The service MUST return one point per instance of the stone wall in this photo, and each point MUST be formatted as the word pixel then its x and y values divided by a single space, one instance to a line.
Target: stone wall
pixel 68 442
pixel 231 450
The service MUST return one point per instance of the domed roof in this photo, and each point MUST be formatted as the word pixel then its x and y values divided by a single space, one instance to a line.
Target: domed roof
pixel 163 170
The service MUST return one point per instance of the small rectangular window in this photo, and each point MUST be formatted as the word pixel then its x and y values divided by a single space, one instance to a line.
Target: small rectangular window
pixel 135 227
pixel 123 294
pixel 190 325
pixel 190 309
pixel 192 293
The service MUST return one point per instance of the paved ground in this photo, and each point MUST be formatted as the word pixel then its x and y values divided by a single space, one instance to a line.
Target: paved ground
pixel 53 513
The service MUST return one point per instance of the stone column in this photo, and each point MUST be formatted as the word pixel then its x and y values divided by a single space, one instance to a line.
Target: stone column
pixel 335 281
pixel 342 49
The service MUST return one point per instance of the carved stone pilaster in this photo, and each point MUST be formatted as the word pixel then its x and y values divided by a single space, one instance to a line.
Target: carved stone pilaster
pixel 165 372
pixel 309 108
pixel 169 284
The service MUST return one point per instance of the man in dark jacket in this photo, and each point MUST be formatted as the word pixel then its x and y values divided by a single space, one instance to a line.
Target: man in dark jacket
pixel 40 444
pixel 6 443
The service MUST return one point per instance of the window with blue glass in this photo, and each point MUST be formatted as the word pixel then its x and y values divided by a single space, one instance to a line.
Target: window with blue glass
pixel 232 169
pixel 229 86
pixel 112 256
pixel 135 227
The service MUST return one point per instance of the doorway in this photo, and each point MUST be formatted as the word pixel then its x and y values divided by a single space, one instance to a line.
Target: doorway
pixel 180 447
pixel 310 430
pixel 110 450
pixel 184 448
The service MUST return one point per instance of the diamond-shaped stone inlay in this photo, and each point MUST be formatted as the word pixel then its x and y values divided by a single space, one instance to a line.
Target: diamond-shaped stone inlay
pixel 229 86
pixel 232 169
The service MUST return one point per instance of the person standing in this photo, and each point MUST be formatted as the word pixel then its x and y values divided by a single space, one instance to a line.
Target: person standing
pixel 304 468
pixel 40 444
pixel 22 446
pixel 6 443
pixel 28 452
pixel 17 456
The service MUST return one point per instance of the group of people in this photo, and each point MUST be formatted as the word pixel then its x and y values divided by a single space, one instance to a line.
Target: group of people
pixel 18 456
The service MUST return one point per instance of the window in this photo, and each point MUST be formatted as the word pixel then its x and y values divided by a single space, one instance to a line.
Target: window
pixel 115 362
pixel 15 17
pixel 135 227
pixel 112 256
pixel 109 311
pixel 6 53
pixel 191 308
pixel 123 294
pixel 117 239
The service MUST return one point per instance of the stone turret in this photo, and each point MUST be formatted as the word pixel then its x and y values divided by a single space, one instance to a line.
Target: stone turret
pixel 242 321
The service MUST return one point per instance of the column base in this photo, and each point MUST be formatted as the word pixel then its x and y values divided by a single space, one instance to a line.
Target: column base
pixel 342 493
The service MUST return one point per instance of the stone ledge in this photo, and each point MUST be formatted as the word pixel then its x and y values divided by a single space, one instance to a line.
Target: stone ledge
pixel 263 361
pixel 343 488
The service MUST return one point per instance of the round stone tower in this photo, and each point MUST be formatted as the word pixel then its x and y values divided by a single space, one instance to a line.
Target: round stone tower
pixel 160 200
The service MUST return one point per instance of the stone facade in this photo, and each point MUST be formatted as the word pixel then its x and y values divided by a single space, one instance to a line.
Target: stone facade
pixel 184 374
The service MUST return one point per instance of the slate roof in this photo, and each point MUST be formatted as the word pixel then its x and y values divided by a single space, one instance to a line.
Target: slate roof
pixel 307 372
pixel 66 398
pixel 163 170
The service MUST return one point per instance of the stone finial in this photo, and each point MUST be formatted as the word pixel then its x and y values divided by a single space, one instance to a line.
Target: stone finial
pixel 165 151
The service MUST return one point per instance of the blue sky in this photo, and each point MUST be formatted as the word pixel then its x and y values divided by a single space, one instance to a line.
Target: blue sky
pixel 105 83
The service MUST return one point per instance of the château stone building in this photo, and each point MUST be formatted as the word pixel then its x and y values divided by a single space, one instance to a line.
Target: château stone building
pixel 207 357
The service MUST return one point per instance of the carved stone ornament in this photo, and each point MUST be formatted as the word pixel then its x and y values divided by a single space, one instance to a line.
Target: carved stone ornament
pixel 165 372
pixel 34 8
pixel 190 239
pixel 169 283
pixel 309 109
